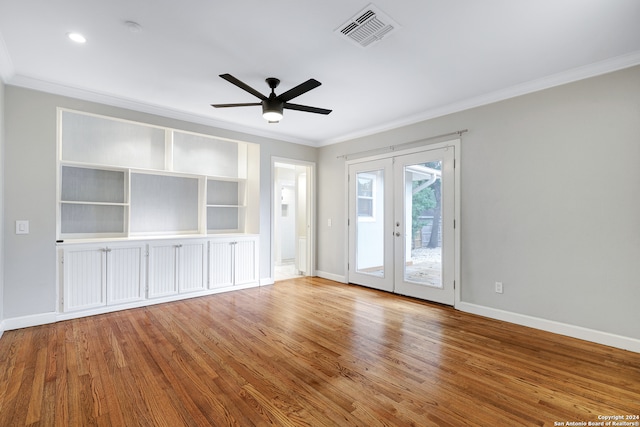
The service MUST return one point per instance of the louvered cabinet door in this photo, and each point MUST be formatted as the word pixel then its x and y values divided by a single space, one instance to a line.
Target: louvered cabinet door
pixel 163 269
pixel 245 260
pixel 125 273
pixel 193 266
pixel 83 277
pixel 220 263
pixel 233 261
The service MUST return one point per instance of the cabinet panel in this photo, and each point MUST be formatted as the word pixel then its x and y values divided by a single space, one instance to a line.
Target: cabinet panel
pixel 84 278
pixel 220 263
pixel 233 261
pixel 125 274
pixel 162 269
pixel 193 266
pixel 245 258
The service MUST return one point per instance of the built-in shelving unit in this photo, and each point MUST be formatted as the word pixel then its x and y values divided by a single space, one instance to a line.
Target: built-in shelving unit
pixel 148 214
pixel 126 179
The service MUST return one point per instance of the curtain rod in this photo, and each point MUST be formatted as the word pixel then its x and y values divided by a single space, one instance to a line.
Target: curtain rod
pixel 394 147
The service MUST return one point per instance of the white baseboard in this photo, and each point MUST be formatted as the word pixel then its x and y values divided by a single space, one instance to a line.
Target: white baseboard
pixel 331 276
pixel 29 321
pixel 605 338
pixel 1 328
pixel 46 318
pixel 267 281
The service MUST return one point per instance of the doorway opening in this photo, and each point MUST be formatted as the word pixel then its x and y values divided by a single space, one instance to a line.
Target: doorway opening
pixel 292 219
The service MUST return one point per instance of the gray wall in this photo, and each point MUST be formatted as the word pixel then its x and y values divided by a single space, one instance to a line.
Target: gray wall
pixel 1 204
pixel 550 202
pixel 30 191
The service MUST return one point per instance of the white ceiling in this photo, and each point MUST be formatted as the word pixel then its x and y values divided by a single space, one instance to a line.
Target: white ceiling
pixel 448 55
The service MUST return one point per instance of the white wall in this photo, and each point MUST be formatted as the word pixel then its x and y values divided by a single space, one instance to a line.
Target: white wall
pixel 550 201
pixel 30 191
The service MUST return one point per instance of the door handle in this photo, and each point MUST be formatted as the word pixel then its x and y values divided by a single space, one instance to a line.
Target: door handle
pixel 397 234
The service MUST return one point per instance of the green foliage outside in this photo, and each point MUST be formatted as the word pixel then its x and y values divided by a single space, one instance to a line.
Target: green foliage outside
pixel 423 200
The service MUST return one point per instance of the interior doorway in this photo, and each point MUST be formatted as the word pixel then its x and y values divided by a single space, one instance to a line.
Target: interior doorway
pixel 292 218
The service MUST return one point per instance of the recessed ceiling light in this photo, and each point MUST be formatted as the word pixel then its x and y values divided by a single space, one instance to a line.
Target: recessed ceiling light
pixel 77 37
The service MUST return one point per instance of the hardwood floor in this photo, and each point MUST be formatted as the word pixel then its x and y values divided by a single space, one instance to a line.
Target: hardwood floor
pixel 307 352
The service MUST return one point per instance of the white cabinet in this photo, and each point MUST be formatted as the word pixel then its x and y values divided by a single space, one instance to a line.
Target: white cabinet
pixel 177 266
pixel 125 273
pixel 98 275
pixel 233 261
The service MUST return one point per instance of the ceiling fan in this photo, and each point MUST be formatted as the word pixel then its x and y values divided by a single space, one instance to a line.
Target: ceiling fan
pixel 273 105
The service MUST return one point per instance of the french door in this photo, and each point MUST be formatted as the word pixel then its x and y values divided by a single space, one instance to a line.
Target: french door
pixel 401 224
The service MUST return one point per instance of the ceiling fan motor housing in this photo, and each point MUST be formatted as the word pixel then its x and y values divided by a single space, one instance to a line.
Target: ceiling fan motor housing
pixel 272 109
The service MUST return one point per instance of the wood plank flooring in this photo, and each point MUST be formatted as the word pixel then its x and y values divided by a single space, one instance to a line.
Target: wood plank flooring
pixel 307 352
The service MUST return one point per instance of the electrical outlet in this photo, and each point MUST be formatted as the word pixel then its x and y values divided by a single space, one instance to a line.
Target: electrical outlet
pixel 499 287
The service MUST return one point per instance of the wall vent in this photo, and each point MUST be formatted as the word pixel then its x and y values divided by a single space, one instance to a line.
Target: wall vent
pixel 368 26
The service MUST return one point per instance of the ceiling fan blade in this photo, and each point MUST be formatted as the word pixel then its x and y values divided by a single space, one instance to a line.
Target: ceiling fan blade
pixel 299 90
pixel 243 86
pixel 246 104
pixel 306 108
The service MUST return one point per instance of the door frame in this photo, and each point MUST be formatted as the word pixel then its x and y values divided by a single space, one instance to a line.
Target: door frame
pixel 311 213
pixel 455 143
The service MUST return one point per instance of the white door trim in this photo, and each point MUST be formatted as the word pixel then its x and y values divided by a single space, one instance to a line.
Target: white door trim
pixel 311 213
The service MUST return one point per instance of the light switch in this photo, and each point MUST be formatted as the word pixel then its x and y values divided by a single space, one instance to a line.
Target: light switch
pixel 22 227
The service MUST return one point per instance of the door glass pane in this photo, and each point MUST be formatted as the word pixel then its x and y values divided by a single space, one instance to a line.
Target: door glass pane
pixel 423 211
pixel 370 223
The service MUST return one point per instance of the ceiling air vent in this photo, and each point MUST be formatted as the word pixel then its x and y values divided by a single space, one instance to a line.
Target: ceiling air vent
pixel 367 27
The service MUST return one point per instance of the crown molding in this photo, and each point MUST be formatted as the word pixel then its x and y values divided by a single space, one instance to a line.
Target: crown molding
pixel 8 75
pixel 33 83
pixel 580 73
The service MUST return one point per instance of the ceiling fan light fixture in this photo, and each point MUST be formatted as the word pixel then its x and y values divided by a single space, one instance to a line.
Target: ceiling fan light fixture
pixel 272 116
pixel 272 110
